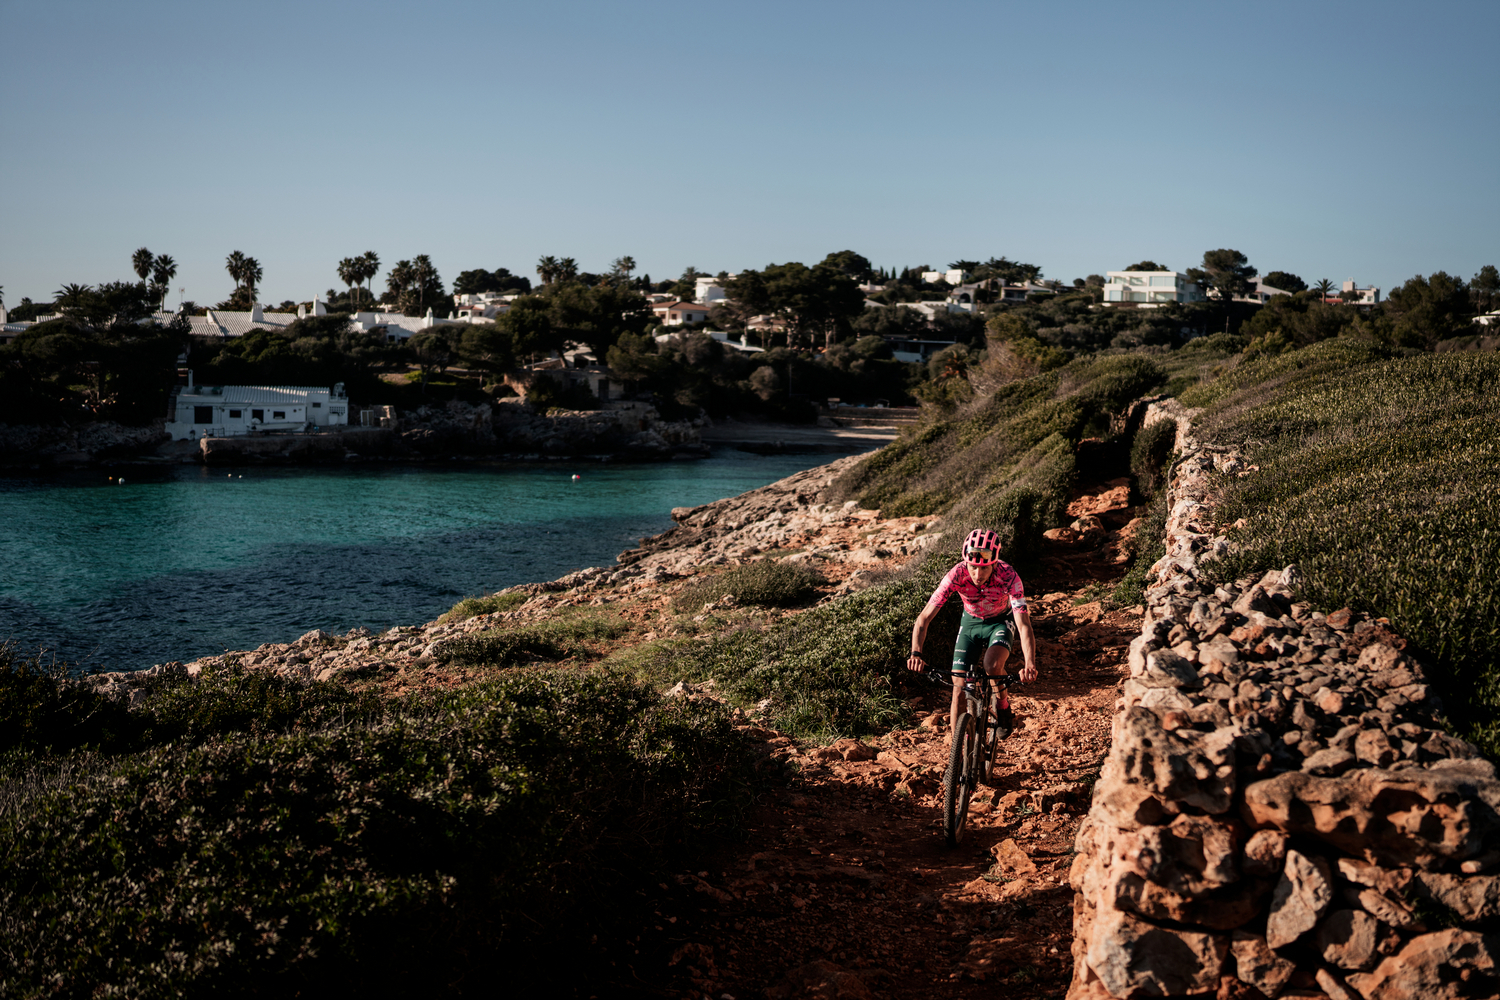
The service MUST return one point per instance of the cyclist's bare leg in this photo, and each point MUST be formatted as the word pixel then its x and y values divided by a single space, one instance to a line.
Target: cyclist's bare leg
pixel 994 663
pixel 957 704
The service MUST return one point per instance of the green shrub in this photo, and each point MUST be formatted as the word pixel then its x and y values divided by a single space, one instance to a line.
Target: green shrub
pixel 833 670
pixel 1150 453
pixel 466 836
pixel 257 703
pixel 1149 545
pixel 764 582
pixel 472 607
pixel 551 639
pixel 1377 477
pixel 40 715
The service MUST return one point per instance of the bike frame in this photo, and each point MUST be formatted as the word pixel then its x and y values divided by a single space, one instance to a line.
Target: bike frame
pixel 972 752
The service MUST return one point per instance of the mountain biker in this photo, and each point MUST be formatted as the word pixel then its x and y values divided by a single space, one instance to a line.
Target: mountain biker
pixel 995 615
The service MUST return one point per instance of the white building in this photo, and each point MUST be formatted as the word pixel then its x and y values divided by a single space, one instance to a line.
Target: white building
pixel 230 410
pixel 678 313
pixel 1151 287
pixel 953 277
pixel 1367 296
pixel 707 290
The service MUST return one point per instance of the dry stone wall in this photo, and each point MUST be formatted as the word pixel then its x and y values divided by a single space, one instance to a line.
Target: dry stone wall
pixel 1281 812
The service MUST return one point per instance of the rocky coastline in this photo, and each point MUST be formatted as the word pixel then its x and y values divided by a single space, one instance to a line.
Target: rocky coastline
pixel 455 430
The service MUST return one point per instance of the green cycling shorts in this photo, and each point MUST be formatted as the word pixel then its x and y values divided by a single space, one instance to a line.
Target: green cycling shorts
pixel 975 635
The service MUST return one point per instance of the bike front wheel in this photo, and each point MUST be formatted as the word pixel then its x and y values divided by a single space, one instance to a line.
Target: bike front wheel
pixel 958 782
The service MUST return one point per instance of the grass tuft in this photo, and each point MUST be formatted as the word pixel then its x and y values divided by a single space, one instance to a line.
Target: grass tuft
pixel 764 582
pixel 472 607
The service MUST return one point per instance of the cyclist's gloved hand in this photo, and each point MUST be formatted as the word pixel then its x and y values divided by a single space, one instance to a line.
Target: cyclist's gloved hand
pixel 916 663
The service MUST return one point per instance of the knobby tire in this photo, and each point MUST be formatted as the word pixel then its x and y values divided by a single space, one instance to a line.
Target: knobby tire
pixel 958 782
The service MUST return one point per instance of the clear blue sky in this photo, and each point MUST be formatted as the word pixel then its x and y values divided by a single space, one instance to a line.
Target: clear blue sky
pixel 1330 139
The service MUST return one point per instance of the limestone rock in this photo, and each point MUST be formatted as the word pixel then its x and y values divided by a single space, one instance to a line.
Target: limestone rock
pixel 1221 909
pixel 1132 957
pixel 1300 900
pixel 1189 767
pixel 1193 854
pixel 1011 859
pixel 1265 853
pixel 1347 939
pixel 1414 817
pixel 1258 965
pixel 1473 897
pixel 1446 965
pixel 1331 761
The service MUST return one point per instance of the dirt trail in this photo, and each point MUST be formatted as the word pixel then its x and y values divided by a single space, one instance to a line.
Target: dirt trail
pixel 843 887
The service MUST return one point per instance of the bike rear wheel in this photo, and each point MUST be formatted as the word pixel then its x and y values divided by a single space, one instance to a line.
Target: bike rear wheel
pixel 958 782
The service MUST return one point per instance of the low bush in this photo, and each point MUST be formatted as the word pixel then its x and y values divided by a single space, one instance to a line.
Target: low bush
pixel 472 607
pixel 1377 478
pixel 484 833
pixel 834 670
pixel 39 714
pixel 549 639
pixel 764 582
pixel 1148 545
pixel 1150 456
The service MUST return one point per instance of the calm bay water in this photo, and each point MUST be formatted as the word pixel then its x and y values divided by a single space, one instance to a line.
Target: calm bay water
pixel 176 563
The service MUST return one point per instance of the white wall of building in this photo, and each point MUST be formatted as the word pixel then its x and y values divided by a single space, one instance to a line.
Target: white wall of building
pixel 1150 287
pixel 231 410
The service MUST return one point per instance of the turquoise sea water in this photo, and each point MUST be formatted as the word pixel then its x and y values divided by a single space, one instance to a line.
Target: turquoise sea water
pixel 180 562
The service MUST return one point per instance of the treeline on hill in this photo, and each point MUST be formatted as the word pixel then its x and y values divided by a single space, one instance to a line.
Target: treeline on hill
pixel 249 835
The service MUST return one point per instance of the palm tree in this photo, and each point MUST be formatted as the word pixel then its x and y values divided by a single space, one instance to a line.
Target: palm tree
pixel 235 265
pixel 567 269
pixel 424 277
pixel 351 270
pixel 71 296
pixel 142 260
pixel 163 270
pixel 622 267
pixel 546 269
pixel 397 280
pixel 253 274
pixel 369 267
pixel 1324 287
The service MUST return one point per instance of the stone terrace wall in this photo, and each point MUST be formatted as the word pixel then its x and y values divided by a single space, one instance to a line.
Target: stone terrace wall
pixel 1281 813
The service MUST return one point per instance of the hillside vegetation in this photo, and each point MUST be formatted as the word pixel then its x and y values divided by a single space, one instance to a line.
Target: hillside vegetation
pixel 1378 477
pixel 248 835
pixel 1008 460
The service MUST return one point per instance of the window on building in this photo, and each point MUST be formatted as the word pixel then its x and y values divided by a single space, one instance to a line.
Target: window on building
pixel 258 415
pixel 234 414
pixel 203 414
pixel 278 414
pixel 317 406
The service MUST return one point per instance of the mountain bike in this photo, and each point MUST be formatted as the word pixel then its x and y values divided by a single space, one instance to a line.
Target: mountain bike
pixel 971 760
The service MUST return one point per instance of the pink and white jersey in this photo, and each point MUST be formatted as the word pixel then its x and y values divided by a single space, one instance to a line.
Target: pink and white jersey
pixel 1003 589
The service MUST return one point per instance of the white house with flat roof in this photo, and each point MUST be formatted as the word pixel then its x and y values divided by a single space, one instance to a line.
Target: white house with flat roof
pixel 707 291
pixel 231 410
pixel 1150 287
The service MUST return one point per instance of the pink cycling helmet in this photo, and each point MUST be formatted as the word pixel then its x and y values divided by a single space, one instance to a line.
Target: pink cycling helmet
pixel 982 539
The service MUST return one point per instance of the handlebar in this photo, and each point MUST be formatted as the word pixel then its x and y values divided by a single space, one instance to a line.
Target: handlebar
pixel 946 680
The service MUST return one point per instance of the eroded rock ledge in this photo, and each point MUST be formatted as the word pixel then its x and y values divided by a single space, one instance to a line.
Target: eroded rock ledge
pixel 1281 812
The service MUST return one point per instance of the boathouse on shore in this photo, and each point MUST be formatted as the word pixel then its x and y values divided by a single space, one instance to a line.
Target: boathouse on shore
pixel 232 410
